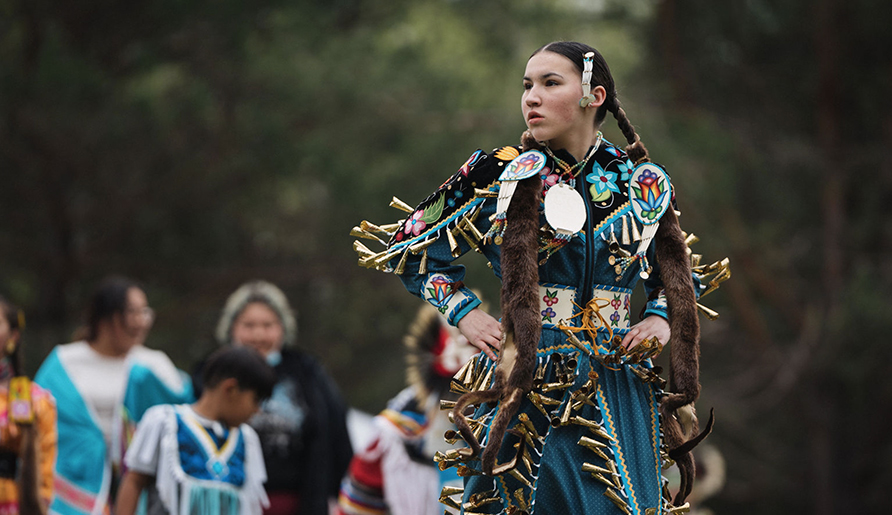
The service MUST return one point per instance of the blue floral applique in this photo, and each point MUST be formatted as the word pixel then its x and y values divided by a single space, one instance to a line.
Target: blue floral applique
pixel 624 165
pixel 624 168
pixel 603 183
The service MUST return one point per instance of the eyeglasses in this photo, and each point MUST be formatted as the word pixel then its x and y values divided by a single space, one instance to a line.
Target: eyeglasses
pixel 146 313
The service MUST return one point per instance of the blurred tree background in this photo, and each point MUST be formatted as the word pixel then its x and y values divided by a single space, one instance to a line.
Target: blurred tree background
pixel 194 145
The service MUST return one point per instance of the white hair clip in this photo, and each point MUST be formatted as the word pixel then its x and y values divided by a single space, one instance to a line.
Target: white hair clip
pixel 587 97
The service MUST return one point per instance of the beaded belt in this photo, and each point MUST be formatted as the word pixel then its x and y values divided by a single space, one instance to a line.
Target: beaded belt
pixel 557 303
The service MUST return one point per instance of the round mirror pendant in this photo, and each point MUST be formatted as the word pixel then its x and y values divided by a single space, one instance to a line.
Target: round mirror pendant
pixel 564 209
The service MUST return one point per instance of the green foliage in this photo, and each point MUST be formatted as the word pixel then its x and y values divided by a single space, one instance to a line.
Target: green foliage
pixel 195 145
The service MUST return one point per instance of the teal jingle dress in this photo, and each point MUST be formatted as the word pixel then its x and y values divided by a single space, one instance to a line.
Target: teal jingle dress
pixel 590 428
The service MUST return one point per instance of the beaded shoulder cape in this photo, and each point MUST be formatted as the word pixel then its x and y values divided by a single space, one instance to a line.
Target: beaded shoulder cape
pixel 606 179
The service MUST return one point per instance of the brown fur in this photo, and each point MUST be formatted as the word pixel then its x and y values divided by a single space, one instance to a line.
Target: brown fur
pixel 458 413
pixel 520 309
pixel 684 357
pixel 520 321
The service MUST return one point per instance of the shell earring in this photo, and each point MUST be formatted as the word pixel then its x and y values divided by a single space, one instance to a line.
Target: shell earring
pixel 587 99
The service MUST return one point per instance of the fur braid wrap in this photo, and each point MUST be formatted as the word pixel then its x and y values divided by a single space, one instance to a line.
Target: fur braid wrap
pixel 684 357
pixel 520 322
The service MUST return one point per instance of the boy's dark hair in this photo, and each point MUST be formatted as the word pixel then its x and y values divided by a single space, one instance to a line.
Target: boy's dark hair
pixel 245 365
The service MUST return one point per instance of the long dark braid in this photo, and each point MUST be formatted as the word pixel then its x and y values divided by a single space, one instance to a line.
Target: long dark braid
pixel 636 150
pixel 29 498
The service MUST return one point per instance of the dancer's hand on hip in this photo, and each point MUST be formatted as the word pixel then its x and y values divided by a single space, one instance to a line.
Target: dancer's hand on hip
pixel 482 331
pixel 654 325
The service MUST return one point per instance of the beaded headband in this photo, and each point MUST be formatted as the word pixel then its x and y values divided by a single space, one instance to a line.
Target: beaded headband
pixel 587 97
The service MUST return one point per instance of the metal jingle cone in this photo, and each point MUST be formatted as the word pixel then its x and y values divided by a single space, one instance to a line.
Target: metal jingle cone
pixel 636 236
pixel 422 267
pixel 625 233
pixel 402 206
pixel 454 249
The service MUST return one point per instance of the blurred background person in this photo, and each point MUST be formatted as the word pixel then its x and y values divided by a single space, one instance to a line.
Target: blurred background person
pixel 27 426
pixel 396 473
pixel 302 427
pixel 103 384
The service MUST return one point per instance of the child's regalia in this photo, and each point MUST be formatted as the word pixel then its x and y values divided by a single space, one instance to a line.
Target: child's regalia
pixel 202 467
pixel 567 420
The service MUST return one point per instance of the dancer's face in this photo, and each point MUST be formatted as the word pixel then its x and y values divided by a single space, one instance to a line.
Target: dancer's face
pixel 552 87
pixel 551 92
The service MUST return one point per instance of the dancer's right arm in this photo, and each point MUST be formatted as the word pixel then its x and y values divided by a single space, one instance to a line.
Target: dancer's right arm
pixel 439 280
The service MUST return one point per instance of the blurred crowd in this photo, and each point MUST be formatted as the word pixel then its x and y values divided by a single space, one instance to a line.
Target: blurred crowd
pixel 110 426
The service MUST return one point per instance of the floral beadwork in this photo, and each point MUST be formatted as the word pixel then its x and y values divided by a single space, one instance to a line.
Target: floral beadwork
pixel 550 298
pixel 440 291
pixel 525 165
pixel 548 314
pixel 457 195
pixel 433 211
pixel 616 302
pixel 603 183
pixel 649 191
pixel 623 165
pixel 469 164
pixel 549 179
pixel 415 224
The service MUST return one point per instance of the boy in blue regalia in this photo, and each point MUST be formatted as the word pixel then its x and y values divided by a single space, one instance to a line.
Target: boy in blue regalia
pixel 203 458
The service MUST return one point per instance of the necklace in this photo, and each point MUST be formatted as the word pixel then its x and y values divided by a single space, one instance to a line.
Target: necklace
pixel 570 172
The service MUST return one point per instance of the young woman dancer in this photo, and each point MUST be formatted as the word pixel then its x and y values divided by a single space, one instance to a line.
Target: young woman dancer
pixel 571 416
